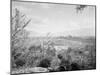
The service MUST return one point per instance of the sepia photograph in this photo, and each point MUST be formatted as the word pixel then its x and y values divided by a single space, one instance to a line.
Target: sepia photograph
pixel 52 37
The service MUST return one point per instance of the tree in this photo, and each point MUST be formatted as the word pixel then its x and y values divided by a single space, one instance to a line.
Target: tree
pixel 18 24
pixel 18 36
pixel 80 8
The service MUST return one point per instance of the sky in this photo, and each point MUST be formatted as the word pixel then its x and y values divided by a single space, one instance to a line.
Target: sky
pixel 57 19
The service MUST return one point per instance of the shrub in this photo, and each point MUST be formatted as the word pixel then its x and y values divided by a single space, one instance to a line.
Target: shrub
pixel 17 55
pixel 60 56
pixel 35 48
pixel 75 66
pixel 44 63
pixel 32 59
pixel 65 59
pixel 50 52
pixel 65 64
pixel 55 63
pixel 20 63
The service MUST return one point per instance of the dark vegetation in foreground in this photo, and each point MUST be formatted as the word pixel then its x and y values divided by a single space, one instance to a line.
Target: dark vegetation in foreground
pixel 65 60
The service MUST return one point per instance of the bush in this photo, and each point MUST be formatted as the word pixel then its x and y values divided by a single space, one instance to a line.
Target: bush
pixel 17 56
pixel 20 63
pixel 32 58
pixel 55 63
pixel 65 64
pixel 35 48
pixel 75 66
pixel 15 59
pixel 60 56
pixel 66 60
pixel 44 63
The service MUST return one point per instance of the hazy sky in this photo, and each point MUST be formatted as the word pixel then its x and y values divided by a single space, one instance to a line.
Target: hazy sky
pixel 58 19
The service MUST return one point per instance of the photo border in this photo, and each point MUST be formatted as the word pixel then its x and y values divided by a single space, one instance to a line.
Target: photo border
pixel 59 4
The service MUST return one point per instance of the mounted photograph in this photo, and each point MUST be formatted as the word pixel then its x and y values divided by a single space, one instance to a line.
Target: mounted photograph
pixel 52 37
